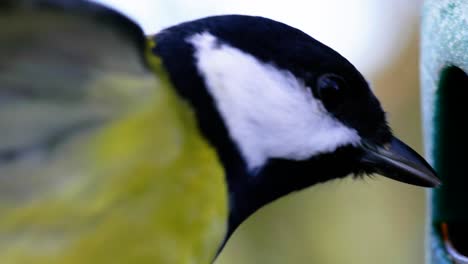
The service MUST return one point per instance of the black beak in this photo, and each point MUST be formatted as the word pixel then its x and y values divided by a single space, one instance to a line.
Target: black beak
pixel 399 162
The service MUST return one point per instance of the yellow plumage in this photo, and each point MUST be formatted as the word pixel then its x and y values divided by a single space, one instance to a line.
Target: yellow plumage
pixel 111 169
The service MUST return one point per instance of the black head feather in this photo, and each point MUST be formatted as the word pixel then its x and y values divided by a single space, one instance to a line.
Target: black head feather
pixel 309 60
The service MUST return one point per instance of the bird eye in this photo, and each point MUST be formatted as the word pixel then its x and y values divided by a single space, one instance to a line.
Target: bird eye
pixel 329 89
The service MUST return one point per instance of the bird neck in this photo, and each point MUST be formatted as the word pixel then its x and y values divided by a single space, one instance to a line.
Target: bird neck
pixel 249 192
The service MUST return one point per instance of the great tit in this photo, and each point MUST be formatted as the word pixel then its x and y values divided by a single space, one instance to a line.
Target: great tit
pixel 103 160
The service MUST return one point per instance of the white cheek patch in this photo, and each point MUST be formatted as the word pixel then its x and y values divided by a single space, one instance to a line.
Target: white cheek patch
pixel 268 112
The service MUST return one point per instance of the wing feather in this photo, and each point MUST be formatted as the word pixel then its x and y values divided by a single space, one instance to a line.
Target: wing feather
pixel 100 162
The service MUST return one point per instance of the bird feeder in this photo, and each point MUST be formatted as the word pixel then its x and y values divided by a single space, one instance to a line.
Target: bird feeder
pixel 444 78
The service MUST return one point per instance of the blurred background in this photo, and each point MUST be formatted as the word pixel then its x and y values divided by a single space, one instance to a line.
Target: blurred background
pixel 374 220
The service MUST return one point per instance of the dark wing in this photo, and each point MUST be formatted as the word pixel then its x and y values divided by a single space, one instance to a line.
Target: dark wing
pixel 65 66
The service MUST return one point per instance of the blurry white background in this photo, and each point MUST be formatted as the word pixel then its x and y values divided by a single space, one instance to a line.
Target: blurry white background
pixel 350 27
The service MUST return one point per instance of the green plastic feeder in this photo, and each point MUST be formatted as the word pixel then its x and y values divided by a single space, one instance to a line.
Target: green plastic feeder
pixel 444 76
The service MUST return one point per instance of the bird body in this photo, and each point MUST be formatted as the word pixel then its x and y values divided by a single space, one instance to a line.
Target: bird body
pixel 125 197
pixel 121 148
pixel 99 162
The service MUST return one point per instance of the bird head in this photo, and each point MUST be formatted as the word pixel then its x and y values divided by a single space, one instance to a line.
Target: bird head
pixel 283 110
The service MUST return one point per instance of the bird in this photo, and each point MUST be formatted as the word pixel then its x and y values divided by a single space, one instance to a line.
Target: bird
pixel 116 147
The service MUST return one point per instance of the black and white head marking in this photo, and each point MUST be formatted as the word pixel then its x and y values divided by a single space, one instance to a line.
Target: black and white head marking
pixel 253 83
pixel 269 112
pixel 283 110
